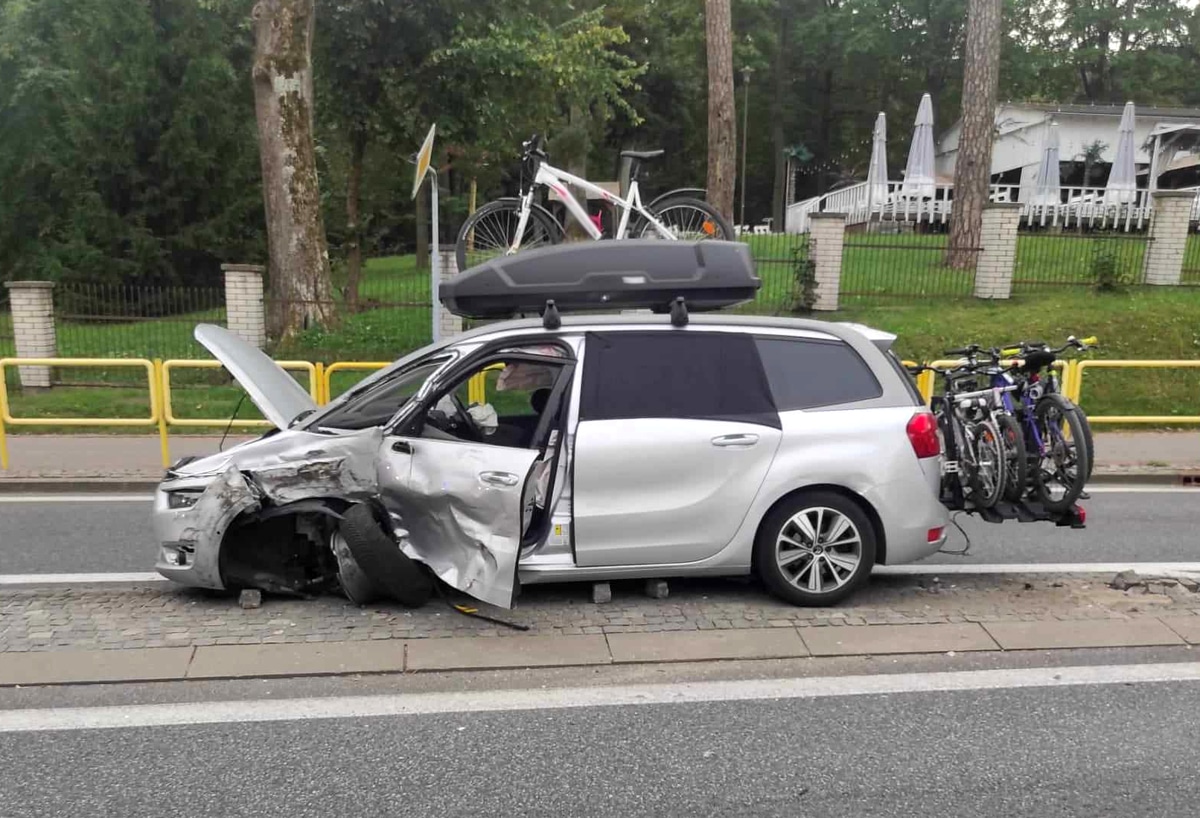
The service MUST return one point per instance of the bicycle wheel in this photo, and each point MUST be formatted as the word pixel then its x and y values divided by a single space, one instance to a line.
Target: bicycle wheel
pixel 492 229
pixel 1015 467
pixel 688 219
pixel 1062 463
pixel 987 472
pixel 1088 444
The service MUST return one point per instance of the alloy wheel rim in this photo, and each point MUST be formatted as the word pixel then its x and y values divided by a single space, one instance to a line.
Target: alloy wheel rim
pixel 818 550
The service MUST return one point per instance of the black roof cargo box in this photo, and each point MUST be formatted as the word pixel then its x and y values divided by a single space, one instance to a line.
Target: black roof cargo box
pixel 606 275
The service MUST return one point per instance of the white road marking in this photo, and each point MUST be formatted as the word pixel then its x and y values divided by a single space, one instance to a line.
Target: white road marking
pixel 76 498
pixel 1113 488
pixel 1158 568
pixel 77 579
pixel 338 707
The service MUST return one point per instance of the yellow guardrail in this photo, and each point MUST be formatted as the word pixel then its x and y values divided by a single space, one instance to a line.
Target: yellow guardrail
pixel 1077 388
pixel 153 382
pixel 314 389
pixel 344 366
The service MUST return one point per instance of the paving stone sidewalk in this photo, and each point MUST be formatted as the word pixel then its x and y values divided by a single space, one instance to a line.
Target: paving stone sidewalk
pixel 54 618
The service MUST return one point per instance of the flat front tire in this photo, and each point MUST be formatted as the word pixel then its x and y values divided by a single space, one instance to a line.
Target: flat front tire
pixel 815 548
pixel 379 556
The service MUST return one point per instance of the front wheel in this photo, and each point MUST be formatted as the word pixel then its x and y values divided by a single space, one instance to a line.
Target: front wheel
pixel 815 549
pixel 1016 467
pixel 1062 463
pixel 987 470
pixel 492 229
pixel 686 219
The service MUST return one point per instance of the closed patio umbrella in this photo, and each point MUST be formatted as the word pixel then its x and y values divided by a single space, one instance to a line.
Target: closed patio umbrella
pixel 918 174
pixel 877 173
pixel 1047 191
pixel 1122 182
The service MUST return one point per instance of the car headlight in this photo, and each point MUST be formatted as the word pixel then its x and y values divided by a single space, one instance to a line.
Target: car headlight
pixel 184 498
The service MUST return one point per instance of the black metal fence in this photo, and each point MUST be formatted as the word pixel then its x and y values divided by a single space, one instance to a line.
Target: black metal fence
pixel 880 265
pixel 778 258
pixel 8 344
pixel 1190 275
pixel 1052 258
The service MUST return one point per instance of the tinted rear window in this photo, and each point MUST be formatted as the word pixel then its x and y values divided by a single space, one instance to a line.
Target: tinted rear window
pixel 689 374
pixel 805 374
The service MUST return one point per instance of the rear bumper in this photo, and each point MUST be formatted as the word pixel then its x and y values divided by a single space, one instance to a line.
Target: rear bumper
pixel 909 510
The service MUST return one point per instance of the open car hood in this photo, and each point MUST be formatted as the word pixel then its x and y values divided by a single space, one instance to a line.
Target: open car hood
pixel 276 393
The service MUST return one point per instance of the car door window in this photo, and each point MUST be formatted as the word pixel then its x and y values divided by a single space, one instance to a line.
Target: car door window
pixel 502 402
pixel 690 374
pixel 808 373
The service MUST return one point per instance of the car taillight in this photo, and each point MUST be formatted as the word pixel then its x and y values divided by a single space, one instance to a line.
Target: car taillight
pixel 1081 515
pixel 935 534
pixel 923 434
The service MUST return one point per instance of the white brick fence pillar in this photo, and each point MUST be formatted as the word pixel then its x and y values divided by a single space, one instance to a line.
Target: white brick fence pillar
pixel 449 325
pixel 827 231
pixel 32 305
pixel 245 313
pixel 998 250
pixel 1168 236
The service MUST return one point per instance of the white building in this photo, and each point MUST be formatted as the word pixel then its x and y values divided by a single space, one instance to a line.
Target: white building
pixel 1021 132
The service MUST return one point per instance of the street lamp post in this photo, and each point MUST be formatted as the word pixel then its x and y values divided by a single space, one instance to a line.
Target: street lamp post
pixel 746 72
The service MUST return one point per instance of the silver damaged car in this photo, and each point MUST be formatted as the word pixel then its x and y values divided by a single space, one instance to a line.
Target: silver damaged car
pixel 608 447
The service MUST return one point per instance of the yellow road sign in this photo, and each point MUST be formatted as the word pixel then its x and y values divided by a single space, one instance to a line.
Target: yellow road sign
pixel 423 157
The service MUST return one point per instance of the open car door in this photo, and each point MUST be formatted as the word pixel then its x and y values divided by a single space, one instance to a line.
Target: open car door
pixel 462 478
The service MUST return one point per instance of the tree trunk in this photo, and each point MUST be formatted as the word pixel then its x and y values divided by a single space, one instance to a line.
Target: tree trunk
pixel 972 168
pixel 300 288
pixel 779 191
pixel 722 129
pixel 358 149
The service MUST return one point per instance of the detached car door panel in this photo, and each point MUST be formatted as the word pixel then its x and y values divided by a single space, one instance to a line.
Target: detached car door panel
pixel 676 432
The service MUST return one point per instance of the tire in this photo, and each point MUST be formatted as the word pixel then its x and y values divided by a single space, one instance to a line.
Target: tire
pixel 1016 467
pixel 1062 470
pixel 1089 444
pixel 780 538
pixel 491 230
pixel 380 558
pixel 689 219
pixel 987 470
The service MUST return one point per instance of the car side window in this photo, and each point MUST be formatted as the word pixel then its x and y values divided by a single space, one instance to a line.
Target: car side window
pixel 688 374
pixel 379 404
pixel 807 373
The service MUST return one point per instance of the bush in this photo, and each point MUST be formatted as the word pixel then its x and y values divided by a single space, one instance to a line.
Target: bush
pixel 1107 275
pixel 804 283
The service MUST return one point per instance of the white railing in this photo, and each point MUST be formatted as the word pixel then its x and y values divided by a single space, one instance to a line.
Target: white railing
pixel 1077 206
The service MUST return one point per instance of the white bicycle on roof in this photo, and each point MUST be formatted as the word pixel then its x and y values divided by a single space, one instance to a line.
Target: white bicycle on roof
pixel 508 225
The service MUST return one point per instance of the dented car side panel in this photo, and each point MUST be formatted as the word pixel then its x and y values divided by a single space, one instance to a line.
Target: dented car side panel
pixel 458 509
pixel 190 538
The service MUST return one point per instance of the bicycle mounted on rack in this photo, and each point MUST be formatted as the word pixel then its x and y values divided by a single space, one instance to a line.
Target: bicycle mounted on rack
pixel 508 225
pixel 1007 456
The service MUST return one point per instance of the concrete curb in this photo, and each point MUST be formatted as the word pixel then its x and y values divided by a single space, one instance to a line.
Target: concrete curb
pixel 456 654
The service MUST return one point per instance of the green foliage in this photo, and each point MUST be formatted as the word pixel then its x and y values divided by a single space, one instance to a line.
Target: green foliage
pixel 126 141
pixel 1106 270
pixel 804 270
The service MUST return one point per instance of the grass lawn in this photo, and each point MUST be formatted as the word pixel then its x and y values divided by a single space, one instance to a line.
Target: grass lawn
pixel 1138 323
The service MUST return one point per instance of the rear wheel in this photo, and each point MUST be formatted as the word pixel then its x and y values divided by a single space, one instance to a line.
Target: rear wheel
pixel 815 549
pixel 1016 472
pixel 987 472
pixel 492 229
pixel 688 220
pixel 1062 464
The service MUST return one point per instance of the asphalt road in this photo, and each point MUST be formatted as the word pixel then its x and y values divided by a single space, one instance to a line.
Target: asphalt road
pixel 1114 749
pixel 84 537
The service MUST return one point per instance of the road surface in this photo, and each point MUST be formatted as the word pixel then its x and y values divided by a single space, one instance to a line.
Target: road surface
pixel 1102 741
pixel 67 535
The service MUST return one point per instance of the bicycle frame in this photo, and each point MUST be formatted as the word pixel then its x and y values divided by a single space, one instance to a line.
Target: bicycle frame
pixel 559 180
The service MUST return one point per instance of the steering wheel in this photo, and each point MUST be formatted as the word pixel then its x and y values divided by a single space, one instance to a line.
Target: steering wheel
pixel 460 424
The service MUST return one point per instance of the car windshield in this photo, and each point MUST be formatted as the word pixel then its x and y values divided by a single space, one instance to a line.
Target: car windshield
pixel 378 405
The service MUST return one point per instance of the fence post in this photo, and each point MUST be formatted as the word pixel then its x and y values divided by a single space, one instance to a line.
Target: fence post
pixel 998 254
pixel 244 310
pixel 32 305
pixel 827 231
pixel 448 325
pixel 1168 236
